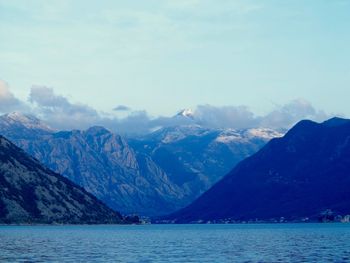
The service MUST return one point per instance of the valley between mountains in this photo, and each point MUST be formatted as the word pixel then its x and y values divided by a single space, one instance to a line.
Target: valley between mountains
pixel 150 175
pixel 176 174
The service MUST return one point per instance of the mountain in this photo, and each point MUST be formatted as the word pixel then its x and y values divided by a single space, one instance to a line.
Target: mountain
pixel 20 125
pixel 104 164
pixel 150 175
pixel 194 158
pixel 186 113
pixel 31 193
pixel 296 177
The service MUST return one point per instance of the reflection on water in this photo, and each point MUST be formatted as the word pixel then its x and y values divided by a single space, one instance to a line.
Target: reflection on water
pixel 177 243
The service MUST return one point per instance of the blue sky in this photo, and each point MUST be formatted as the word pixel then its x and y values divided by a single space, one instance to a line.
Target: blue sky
pixel 163 55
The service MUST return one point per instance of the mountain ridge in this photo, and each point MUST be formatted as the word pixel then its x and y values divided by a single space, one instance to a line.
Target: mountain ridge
pixel 150 175
pixel 31 193
pixel 296 177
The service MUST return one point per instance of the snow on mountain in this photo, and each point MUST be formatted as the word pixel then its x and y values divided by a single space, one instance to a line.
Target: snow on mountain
pixel 231 135
pixel 194 157
pixel 177 133
pixel 189 113
pixel 28 121
pixel 228 136
pixel 180 161
pixel 264 133
pixel 194 127
pixel 303 175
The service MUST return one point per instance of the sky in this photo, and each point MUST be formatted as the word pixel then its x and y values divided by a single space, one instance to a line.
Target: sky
pixel 151 58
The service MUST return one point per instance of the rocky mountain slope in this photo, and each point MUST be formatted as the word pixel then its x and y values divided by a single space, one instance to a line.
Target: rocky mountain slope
pixel 297 177
pixel 103 163
pixel 194 158
pixel 31 193
pixel 151 175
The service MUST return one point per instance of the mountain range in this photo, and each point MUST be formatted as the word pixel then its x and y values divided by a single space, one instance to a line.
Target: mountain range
pixel 31 193
pixel 299 177
pixel 194 158
pixel 153 174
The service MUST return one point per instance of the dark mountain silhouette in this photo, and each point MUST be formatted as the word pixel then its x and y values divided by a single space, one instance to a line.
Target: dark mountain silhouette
pixel 295 177
pixel 194 158
pixel 31 193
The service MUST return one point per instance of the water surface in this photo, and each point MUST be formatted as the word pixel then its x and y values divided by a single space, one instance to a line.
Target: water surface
pixel 177 243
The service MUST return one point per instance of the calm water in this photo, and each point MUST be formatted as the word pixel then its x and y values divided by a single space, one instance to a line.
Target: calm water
pixel 176 243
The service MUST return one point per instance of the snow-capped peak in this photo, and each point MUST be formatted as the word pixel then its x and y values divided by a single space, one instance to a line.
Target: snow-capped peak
pixel 264 133
pixel 232 135
pixel 27 121
pixel 177 133
pixel 18 116
pixel 186 113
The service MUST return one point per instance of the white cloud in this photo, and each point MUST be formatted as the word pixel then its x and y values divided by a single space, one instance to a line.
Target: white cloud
pixel 61 113
pixel 226 117
pixel 235 117
pixel 8 102
pixel 46 97
pixel 286 115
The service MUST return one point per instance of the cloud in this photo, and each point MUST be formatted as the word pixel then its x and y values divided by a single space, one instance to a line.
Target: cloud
pixel 241 117
pixel 138 122
pixel 234 117
pixel 8 102
pixel 122 108
pixel 289 114
pixel 225 117
pixel 46 97
pixel 60 113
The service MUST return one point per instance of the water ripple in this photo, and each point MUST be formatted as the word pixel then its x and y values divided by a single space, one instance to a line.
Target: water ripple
pixel 176 243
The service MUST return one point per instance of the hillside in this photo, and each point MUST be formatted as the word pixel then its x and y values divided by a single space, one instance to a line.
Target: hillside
pixel 31 193
pixel 297 177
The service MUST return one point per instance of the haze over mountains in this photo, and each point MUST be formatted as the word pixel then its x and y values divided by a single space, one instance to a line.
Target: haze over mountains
pixel 152 174
pixel 297 177
pixel 31 193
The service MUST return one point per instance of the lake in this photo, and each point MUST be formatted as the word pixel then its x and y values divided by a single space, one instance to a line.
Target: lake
pixel 177 243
